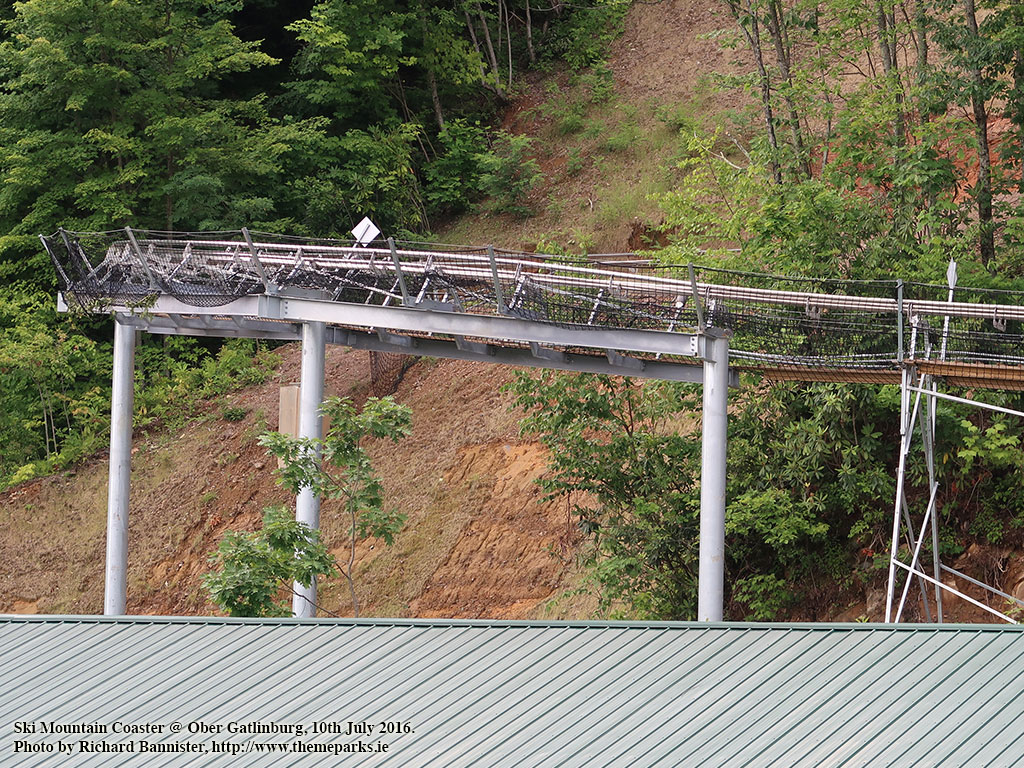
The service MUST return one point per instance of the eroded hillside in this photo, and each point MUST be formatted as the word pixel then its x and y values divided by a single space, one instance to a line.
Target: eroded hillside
pixel 477 542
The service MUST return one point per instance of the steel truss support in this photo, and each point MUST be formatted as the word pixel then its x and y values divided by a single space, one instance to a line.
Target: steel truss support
pixel 905 562
pixel 311 396
pixel 122 399
pixel 923 391
pixel 711 558
pixel 300 318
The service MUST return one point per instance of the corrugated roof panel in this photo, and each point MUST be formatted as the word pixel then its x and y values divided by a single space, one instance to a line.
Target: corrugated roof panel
pixel 867 733
pixel 517 693
pixel 945 710
pixel 754 724
pixel 626 679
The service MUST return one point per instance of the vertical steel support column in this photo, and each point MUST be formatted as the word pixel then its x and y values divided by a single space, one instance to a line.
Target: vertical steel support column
pixel 711 574
pixel 115 594
pixel 311 395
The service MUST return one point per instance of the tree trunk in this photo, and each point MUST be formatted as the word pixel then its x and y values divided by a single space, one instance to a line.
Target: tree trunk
pixel 753 35
pixel 782 56
pixel 436 99
pixel 891 66
pixel 431 78
pixel 508 38
pixel 529 35
pixel 1015 103
pixel 476 45
pixel 168 200
pixel 490 50
pixel 986 233
pixel 921 24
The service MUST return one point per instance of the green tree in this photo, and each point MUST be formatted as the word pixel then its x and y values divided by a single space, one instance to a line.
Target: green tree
pixel 809 487
pixel 51 409
pixel 112 114
pixel 254 567
pixel 630 479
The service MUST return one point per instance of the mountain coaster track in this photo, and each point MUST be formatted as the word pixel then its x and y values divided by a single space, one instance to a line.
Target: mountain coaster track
pixel 784 328
pixel 697 324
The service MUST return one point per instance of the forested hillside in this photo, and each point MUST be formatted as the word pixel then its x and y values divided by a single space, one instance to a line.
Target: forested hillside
pixel 830 139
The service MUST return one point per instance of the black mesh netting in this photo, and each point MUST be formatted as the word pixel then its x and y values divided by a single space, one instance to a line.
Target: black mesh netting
pixel 387 370
pixel 784 327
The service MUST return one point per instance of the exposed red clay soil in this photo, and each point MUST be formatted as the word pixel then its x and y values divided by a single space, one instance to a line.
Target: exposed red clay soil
pixel 477 543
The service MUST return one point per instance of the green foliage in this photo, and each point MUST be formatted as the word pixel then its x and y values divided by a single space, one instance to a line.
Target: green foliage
pixel 572 121
pixel 625 137
pixel 338 467
pixel 508 174
pixel 112 117
pixel 174 116
pixel 995 446
pixel 349 54
pixel 174 377
pixel 816 226
pixel 253 567
pixel 575 162
pixel 629 470
pixel 233 412
pixel 765 595
pixel 51 412
pixel 581 38
pixel 599 82
pixel 629 481
pixel 453 177
pixel 373 174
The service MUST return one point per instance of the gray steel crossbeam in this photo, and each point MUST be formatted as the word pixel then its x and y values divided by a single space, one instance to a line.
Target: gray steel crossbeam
pixel 232 327
pixel 482 326
pixel 429 321
pixel 239 318
pixel 489 353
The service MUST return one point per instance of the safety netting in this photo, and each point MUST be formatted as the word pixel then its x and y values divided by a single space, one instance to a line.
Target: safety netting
pixel 784 327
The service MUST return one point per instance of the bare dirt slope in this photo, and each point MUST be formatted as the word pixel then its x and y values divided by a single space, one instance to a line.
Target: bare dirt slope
pixel 477 543
pixel 600 178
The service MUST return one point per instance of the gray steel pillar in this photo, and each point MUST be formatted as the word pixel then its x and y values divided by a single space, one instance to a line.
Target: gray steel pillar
pixel 311 395
pixel 711 574
pixel 121 406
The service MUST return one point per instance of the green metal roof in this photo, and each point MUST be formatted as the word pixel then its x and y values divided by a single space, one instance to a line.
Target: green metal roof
pixel 513 693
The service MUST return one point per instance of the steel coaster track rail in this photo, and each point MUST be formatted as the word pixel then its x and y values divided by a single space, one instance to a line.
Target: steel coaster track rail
pixel 263 264
pixel 540 270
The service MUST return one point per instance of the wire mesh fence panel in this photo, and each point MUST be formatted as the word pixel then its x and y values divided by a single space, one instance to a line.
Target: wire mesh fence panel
pixel 387 370
pixel 970 336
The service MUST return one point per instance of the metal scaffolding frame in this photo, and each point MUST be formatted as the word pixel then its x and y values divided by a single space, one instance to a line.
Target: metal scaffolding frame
pixel 919 398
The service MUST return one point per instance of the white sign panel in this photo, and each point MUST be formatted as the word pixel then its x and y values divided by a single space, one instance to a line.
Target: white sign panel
pixel 365 231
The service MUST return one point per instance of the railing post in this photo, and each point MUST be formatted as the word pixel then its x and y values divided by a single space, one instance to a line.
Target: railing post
pixel 499 297
pixel 268 288
pixel 141 257
pixel 696 297
pixel 899 322
pixel 398 271
pixel 905 418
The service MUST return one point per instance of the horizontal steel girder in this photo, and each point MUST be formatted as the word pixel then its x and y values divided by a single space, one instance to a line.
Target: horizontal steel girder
pixel 416 320
pixel 613 365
